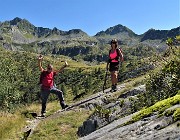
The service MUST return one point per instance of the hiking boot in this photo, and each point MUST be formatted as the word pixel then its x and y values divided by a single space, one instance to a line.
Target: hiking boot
pixel 115 88
pixel 43 114
pixel 112 88
pixel 64 106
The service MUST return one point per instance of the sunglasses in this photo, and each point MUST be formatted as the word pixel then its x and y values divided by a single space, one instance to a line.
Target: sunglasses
pixel 113 42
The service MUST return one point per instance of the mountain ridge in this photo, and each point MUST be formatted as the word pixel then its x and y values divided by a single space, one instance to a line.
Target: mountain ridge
pixel 20 34
pixel 110 31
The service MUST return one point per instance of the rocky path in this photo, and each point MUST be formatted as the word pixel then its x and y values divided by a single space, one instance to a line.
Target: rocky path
pixel 32 124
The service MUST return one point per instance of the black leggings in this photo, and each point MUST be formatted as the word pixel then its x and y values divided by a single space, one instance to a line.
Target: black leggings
pixel 114 66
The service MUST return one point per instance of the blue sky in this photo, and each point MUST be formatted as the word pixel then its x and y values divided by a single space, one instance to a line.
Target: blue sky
pixel 93 16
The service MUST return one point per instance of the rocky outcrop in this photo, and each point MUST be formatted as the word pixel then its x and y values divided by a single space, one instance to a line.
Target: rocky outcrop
pixel 133 92
pixel 107 112
pixel 87 127
pixel 150 128
pixel 108 122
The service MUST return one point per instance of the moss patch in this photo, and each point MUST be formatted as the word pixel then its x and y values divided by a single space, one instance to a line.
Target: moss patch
pixel 158 107
pixel 176 114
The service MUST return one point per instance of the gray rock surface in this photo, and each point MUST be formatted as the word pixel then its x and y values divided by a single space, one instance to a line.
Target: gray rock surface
pixel 117 110
pixel 152 128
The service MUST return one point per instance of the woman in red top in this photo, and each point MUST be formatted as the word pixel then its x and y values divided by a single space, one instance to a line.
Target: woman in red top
pixel 114 55
pixel 47 85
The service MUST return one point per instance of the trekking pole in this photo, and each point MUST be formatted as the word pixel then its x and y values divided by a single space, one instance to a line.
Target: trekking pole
pixel 105 79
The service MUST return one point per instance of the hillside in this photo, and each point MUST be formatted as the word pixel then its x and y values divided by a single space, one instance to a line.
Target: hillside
pixel 20 76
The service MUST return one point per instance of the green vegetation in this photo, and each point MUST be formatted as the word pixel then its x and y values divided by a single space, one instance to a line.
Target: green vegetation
pixel 20 77
pixel 11 125
pixel 162 85
pixel 64 127
pixel 176 114
pixel 160 106
pixel 102 112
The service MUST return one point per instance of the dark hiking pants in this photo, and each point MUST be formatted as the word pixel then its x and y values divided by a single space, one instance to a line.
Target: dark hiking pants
pixel 45 94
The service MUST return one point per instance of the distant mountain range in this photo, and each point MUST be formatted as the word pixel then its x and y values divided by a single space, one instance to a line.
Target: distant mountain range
pixel 20 34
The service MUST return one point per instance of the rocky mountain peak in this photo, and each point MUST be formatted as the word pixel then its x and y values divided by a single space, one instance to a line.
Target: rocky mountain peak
pixel 116 30
pixel 20 22
pixel 76 31
pixel 15 21
pixel 153 34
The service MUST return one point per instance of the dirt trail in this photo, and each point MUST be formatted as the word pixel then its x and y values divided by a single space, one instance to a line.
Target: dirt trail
pixel 32 124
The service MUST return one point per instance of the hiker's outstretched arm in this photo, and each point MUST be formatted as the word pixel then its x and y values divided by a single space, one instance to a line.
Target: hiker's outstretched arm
pixel 62 68
pixel 40 63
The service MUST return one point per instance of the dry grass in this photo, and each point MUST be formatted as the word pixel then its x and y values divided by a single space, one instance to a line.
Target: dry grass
pixel 63 127
pixel 11 125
